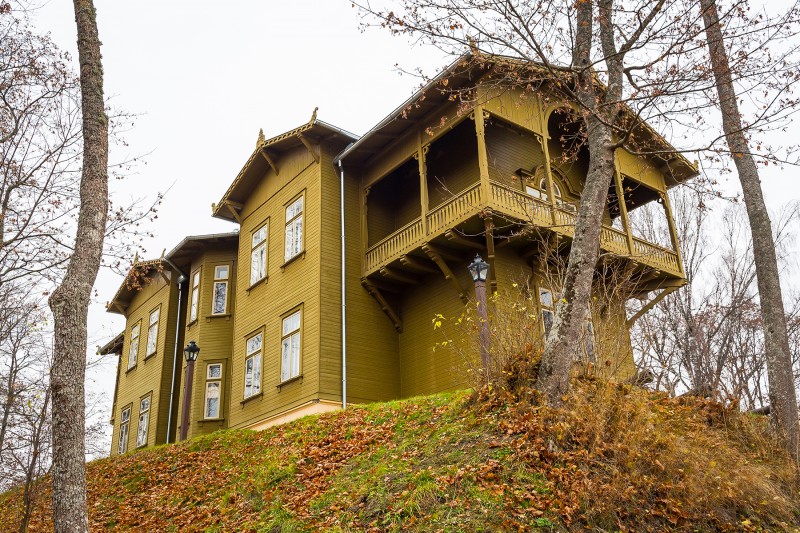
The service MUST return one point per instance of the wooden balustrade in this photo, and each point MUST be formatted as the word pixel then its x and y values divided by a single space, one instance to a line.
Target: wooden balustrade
pixel 455 210
pixel 519 205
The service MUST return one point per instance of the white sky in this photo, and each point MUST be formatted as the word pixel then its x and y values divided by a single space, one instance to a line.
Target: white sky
pixel 205 76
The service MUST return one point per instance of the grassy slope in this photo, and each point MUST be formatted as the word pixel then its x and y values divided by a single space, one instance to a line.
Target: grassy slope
pixel 616 459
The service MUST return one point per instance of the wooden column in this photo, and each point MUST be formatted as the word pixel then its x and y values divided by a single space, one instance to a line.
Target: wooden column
pixel 483 158
pixel 423 181
pixel 364 229
pixel 548 174
pixel 673 231
pixel 623 208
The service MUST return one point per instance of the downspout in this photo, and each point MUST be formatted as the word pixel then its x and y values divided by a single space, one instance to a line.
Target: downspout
pixel 344 301
pixel 181 279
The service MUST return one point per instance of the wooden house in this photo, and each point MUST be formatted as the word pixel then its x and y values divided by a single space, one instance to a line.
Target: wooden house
pixel 347 247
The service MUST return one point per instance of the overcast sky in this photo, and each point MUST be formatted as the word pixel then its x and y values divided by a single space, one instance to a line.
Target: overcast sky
pixel 205 76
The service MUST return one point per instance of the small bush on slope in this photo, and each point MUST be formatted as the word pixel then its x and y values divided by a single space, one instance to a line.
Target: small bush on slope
pixel 615 459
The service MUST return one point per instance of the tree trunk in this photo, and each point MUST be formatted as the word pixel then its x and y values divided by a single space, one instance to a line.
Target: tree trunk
pixel 70 301
pixel 782 396
pixel 571 309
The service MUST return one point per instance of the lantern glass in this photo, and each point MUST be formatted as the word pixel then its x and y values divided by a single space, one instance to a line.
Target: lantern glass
pixel 478 269
pixel 191 351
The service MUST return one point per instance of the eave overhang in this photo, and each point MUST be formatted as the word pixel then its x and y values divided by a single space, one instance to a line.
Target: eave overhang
pixel 114 346
pixel 468 69
pixel 266 157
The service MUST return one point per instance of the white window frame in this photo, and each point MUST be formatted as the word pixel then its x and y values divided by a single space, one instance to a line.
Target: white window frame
pixel 212 380
pixel 124 430
pixel 258 253
pixel 254 358
pixel 293 245
pixel 152 332
pixel 144 421
pixel 194 304
pixel 291 345
pixel 220 281
pixel 133 347
pixel 547 309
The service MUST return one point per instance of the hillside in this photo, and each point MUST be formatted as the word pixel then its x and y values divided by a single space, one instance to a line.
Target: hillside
pixel 616 459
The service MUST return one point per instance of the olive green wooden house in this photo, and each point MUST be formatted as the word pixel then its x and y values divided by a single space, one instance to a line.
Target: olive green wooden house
pixel 348 247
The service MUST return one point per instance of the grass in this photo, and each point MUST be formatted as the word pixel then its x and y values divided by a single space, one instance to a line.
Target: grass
pixel 614 459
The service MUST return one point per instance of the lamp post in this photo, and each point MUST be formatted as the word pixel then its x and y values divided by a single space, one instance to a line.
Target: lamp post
pixel 479 269
pixel 191 352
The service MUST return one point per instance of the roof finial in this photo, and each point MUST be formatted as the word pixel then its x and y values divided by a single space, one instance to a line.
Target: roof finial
pixel 136 258
pixel 313 116
pixel 261 139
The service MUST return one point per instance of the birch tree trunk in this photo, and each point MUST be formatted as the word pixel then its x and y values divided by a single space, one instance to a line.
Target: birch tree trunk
pixel 561 343
pixel 782 396
pixel 70 301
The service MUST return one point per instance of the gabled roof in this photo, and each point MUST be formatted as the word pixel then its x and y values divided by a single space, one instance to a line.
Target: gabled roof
pixel 179 258
pixel 114 346
pixel 137 277
pixel 266 154
pixel 466 70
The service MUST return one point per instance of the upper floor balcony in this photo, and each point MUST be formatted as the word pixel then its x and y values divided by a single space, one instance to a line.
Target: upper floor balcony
pixel 485 168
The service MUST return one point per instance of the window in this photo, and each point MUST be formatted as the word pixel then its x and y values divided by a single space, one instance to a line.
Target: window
pixel 548 309
pixel 541 193
pixel 144 420
pixel 124 425
pixel 195 296
pixel 133 350
pixel 258 255
pixel 152 333
pixel 294 229
pixel 290 347
pixel 219 303
pixel 252 366
pixel 213 390
pixel 588 339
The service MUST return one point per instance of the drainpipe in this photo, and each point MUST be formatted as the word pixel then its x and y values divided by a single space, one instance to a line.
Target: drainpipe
pixel 181 279
pixel 344 301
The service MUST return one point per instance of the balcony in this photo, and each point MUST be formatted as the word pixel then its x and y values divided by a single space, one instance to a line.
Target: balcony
pixel 520 207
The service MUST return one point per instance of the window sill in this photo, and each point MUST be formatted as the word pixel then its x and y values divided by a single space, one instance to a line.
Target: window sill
pixel 257 283
pixel 209 420
pixel 130 368
pixel 289 381
pixel 253 397
pixel 191 323
pixel 221 315
pixel 146 357
pixel 301 255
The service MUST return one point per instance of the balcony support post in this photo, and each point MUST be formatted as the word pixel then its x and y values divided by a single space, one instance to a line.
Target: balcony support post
pixel 673 232
pixel 423 181
pixel 483 159
pixel 488 221
pixel 548 176
pixel 436 256
pixel 623 207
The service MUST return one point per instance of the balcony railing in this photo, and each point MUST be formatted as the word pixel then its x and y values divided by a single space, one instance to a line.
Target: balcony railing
pixel 519 205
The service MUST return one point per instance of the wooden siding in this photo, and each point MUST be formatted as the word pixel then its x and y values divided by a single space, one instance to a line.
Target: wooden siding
pixel 214 335
pixel 373 368
pixel 259 308
pixel 452 163
pixel 510 149
pixel 152 374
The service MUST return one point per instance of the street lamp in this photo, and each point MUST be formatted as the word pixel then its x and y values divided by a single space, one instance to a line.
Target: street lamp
pixel 479 270
pixel 191 352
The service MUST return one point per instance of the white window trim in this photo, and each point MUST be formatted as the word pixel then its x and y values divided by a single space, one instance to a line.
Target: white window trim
pixel 220 281
pixel 218 381
pixel 152 332
pixel 289 335
pixel 194 294
pixel 145 413
pixel 133 347
pixel 290 224
pixel 124 430
pixel 259 247
pixel 255 387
